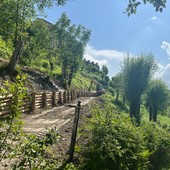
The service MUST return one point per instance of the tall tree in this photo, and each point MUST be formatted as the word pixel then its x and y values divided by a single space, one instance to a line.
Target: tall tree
pixel 72 40
pixel 104 72
pixel 137 72
pixel 117 84
pixel 157 98
pixel 39 40
pixel 16 17
pixel 105 69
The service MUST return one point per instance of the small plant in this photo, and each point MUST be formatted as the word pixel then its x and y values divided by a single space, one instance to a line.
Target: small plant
pixel 34 152
pixel 5 49
pixel 10 127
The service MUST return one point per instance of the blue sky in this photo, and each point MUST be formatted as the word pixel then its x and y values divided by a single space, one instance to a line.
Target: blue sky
pixel 113 34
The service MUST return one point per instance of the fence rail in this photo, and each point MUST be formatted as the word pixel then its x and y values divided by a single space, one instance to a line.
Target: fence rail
pixel 38 100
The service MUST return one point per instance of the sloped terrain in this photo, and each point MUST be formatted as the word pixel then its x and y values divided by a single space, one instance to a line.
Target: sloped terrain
pixel 36 79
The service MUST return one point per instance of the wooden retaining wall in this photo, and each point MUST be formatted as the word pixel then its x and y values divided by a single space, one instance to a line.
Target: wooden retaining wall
pixel 38 100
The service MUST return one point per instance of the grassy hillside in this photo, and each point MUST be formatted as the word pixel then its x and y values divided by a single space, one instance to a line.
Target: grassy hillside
pixel 163 120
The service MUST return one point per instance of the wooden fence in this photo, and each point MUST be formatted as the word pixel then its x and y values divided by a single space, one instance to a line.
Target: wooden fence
pixel 38 100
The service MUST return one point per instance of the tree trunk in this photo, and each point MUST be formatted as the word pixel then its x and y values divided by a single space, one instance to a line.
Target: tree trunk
pixel 15 57
pixel 150 113
pixel 131 110
pixel 123 100
pixel 64 76
pixel 135 109
pixel 155 114
pixel 138 111
pixel 117 96
pixel 70 78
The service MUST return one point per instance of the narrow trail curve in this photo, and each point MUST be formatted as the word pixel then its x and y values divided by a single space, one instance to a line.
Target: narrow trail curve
pixel 39 123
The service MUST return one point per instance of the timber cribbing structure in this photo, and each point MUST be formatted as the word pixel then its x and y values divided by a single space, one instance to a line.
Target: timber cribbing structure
pixel 45 99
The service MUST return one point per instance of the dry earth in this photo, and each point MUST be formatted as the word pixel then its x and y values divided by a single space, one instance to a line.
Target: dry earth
pixel 38 123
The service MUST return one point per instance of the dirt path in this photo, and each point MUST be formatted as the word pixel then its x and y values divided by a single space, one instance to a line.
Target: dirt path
pixel 39 123
pixel 62 119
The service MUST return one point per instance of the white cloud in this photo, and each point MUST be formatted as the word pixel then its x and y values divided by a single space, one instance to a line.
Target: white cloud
pixel 157 21
pixel 110 58
pixel 154 18
pixel 166 46
pixel 106 53
pixel 100 62
pixel 164 73
pixel 160 72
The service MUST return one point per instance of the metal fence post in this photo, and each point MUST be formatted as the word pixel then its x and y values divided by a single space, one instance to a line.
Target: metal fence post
pixel 74 131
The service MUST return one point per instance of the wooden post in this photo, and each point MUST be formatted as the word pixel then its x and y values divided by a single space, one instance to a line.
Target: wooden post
pixel 71 95
pixel 64 97
pixel 54 103
pixel 33 101
pixel 68 96
pixel 74 95
pixel 76 92
pixel 60 98
pixel 45 99
pixel 74 131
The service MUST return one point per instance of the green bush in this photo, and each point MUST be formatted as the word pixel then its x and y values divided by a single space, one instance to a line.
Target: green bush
pixel 5 51
pixel 117 143
pixel 158 143
pixel 45 64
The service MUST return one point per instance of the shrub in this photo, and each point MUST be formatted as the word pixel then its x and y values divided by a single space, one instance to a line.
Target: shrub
pixel 117 143
pixel 5 51
pixel 158 143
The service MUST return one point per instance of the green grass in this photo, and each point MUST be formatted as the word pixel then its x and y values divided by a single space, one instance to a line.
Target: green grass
pixel 80 82
pixel 83 79
pixel 144 113
pixel 162 119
